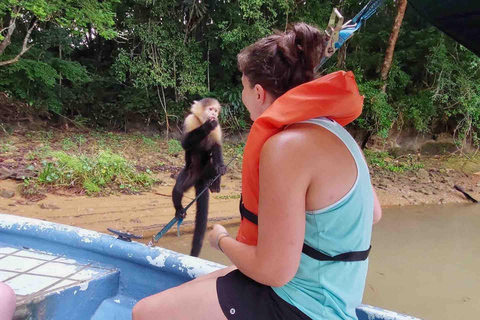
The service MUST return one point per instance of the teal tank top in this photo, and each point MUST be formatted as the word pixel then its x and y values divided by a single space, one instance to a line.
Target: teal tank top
pixel 333 289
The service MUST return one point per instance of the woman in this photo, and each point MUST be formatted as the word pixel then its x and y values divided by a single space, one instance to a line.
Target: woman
pixel 7 302
pixel 304 182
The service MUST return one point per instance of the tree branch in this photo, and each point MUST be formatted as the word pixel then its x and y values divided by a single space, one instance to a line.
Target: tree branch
pixel 1 31
pixel 25 47
pixel 8 38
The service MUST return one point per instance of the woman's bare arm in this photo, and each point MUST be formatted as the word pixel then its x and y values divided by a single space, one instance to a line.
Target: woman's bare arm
pixel 283 186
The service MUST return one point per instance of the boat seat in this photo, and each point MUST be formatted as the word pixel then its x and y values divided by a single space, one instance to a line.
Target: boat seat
pixel 41 278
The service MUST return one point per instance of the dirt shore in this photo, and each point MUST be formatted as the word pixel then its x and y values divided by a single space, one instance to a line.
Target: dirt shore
pixel 146 213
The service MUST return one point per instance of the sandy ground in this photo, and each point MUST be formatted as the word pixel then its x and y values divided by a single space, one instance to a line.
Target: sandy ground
pixel 146 213
pixel 143 214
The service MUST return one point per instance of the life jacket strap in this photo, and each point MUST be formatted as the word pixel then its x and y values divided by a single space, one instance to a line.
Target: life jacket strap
pixel 309 251
pixel 244 213
pixel 347 256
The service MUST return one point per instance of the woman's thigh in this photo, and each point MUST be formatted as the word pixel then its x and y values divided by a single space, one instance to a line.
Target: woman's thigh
pixel 192 300
pixel 214 274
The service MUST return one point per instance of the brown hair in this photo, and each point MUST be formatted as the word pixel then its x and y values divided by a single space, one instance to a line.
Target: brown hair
pixel 284 60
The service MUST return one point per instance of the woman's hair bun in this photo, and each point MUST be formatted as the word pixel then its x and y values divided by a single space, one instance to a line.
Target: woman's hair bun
pixel 283 60
pixel 309 41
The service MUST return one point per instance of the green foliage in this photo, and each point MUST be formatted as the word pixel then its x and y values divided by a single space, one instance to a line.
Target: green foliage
pixel 148 142
pixel 455 87
pixel 420 110
pixel 230 197
pixel 113 63
pixel 5 147
pixel 234 115
pixel 68 144
pixel 103 172
pixel 384 161
pixel 174 147
pixel 378 114
pixel 39 153
pixel 75 14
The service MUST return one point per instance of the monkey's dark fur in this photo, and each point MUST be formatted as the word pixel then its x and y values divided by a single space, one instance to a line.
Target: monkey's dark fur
pixel 203 161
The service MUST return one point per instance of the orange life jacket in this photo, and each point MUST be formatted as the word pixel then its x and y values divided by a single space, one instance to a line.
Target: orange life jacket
pixel 334 96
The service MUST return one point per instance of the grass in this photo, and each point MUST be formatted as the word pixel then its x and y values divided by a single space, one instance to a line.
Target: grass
pixel 174 147
pixel 5 147
pixel 38 153
pixel 148 142
pixel 383 160
pixel 78 162
pixel 234 196
pixel 68 144
pixel 103 172
pixel 43 136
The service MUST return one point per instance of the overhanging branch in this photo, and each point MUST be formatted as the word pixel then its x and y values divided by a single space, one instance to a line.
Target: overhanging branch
pixel 8 37
pixel 25 47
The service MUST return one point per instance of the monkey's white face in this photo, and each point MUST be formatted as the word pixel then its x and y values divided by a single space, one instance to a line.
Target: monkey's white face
pixel 211 112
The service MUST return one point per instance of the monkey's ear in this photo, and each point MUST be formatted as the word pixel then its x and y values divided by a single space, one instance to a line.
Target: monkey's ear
pixel 195 101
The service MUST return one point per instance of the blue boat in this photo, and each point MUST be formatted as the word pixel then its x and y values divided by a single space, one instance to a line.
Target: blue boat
pixel 64 272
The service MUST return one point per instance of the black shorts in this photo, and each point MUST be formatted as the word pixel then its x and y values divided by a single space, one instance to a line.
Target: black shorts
pixel 243 298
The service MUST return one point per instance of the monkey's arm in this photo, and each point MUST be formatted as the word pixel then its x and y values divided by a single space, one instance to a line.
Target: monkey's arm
pixel 193 138
pixel 217 157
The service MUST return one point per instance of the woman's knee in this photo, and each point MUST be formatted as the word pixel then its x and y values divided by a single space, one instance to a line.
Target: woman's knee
pixel 149 308
pixel 7 301
pixel 138 311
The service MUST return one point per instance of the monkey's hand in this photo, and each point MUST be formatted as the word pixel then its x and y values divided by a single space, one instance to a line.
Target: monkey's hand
pixel 221 169
pixel 179 215
pixel 209 125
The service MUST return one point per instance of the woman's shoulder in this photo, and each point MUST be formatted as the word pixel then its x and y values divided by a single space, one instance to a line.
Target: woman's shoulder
pixel 292 138
pixel 295 141
pixel 304 140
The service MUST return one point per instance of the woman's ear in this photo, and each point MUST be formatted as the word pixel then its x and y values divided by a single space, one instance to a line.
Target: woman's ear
pixel 260 94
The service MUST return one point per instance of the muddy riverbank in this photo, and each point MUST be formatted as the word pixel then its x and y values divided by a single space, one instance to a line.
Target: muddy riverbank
pixel 405 180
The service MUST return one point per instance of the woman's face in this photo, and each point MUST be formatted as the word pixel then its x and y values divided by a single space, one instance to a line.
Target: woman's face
pixel 249 98
pixel 255 99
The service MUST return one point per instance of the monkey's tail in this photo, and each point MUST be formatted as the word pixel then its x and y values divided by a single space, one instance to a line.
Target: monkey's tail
pixel 462 190
pixel 201 218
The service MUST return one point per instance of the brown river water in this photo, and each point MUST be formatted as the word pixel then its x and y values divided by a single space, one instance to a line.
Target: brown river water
pixel 425 261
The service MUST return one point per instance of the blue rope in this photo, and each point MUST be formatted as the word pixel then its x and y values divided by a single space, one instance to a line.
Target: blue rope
pixel 353 25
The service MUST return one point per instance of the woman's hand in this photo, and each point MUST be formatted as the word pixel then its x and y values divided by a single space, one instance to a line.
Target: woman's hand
pixel 217 233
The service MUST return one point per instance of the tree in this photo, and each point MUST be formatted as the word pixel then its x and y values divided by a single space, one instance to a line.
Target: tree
pixel 79 16
pixel 387 63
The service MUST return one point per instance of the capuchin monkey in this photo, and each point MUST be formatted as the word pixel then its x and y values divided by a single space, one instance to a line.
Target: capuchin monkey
pixel 202 141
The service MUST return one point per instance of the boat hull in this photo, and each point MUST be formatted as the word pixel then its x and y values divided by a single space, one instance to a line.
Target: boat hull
pixel 121 273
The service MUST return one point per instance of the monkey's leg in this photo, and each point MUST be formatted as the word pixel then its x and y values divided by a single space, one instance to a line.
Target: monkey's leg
pixel 216 166
pixel 182 184
pixel 215 187
pixel 200 219
pixel 209 173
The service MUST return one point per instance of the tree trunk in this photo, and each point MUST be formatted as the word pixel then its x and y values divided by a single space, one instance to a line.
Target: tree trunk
pixel 387 63
pixel 208 67
pixel 342 56
pixel 175 77
pixel 60 74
